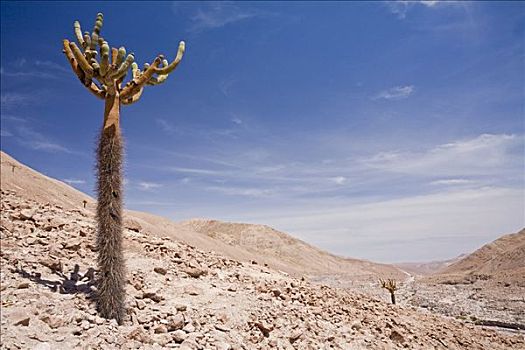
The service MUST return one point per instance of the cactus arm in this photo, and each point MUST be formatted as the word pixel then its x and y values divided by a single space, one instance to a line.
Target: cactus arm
pixel 134 98
pixel 114 55
pixel 81 59
pixel 104 61
pixel 171 67
pixel 123 69
pixel 133 86
pixel 120 56
pixel 135 71
pixel 93 88
pixel 157 80
pixel 96 31
pixel 78 34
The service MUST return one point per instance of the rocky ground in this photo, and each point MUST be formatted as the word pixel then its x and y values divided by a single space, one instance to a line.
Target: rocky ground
pixel 475 302
pixel 181 297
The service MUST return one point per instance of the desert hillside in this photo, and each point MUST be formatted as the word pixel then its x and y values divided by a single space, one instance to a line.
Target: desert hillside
pixel 243 242
pixel 272 245
pixel 182 297
pixel 501 261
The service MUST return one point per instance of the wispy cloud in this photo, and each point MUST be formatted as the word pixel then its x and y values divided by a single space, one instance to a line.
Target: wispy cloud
pixel 165 125
pixel 396 93
pixel 146 186
pixel 226 85
pixel 400 8
pixel 453 182
pixel 26 74
pixel 22 68
pixel 242 191
pixel 37 141
pixel 237 121
pixel 10 100
pixel 340 180
pixel 483 155
pixel 52 66
pixel 5 133
pixel 199 171
pixel 74 181
pixel 213 15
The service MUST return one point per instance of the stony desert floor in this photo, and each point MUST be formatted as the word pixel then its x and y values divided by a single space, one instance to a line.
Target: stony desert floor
pixel 185 298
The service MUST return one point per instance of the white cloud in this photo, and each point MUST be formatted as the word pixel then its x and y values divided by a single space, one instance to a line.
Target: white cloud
pixel 213 15
pixel 5 133
pixel 226 85
pixel 165 125
pixel 74 181
pixel 242 191
pixel 237 121
pixel 396 93
pixel 37 141
pixel 452 182
pixel 146 186
pixel 340 180
pixel 35 69
pixel 51 66
pixel 198 171
pixel 11 99
pixel 483 155
pixel 401 7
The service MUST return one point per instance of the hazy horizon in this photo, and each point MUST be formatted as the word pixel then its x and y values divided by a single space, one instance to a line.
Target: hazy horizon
pixel 388 131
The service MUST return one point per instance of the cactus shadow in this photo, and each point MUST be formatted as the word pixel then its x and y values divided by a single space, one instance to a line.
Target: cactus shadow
pixel 67 284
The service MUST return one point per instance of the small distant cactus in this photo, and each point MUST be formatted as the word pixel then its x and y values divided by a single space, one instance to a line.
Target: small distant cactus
pixel 103 74
pixel 391 286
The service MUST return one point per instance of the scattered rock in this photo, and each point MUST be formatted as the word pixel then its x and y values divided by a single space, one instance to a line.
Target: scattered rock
pixel 153 295
pixel 295 335
pixel 27 214
pixel 264 328
pixel 160 270
pixel 191 290
pixel 196 272
pixel 140 304
pixel 179 336
pixel 23 285
pixel 175 322
pixel 23 322
pixel 397 337
pixel 161 329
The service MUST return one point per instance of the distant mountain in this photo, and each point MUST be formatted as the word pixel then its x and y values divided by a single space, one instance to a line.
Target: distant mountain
pixel 428 268
pixel 502 260
pixel 285 252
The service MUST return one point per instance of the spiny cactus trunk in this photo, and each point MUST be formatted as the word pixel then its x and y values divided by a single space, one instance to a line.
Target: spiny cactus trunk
pixel 393 297
pixel 111 280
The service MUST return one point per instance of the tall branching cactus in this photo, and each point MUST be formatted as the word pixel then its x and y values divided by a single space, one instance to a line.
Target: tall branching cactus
pixel 391 286
pixel 102 71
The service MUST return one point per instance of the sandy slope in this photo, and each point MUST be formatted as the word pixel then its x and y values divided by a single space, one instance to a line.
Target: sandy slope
pixel 501 261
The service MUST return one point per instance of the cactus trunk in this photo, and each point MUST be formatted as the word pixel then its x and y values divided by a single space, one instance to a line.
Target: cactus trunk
pixel 111 280
pixel 393 297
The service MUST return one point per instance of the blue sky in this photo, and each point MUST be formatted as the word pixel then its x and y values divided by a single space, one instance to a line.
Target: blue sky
pixel 391 131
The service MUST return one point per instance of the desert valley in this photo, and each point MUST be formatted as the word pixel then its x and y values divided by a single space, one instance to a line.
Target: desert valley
pixel 205 284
